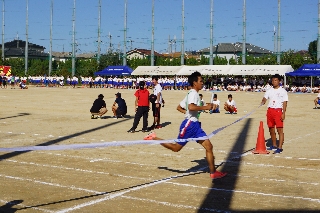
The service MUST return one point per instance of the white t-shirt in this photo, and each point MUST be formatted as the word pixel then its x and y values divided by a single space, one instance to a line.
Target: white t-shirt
pixel 192 98
pixel 158 89
pixel 276 96
pixel 231 103
pixel 217 102
pixel 318 95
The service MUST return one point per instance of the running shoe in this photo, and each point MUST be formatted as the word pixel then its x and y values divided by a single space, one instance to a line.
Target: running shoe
pixel 278 151
pixel 158 127
pixel 92 116
pixel 150 136
pixel 217 175
pixel 131 131
pixel 272 148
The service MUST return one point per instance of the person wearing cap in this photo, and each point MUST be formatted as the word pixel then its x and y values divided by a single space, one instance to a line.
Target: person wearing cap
pixel 99 107
pixel 142 106
pixel 119 107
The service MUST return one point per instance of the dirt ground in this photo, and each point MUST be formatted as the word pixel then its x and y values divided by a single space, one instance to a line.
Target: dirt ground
pixel 150 178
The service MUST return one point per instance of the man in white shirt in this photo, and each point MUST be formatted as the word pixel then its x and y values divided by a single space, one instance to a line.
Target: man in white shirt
pixel 277 107
pixel 190 127
pixel 156 106
pixel 317 100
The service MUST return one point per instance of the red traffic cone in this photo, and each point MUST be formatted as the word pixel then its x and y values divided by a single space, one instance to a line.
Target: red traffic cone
pixel 261 142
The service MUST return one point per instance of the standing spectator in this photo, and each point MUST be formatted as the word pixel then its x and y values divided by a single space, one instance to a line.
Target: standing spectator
pixel 142 106
pixel 4 82
pixel 317 100
pixel 276 112
pixel 119 107
pixel 12 81
pixel 99 107
pixel 156 106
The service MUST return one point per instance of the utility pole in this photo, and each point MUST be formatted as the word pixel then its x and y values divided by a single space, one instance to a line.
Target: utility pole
pixel 152 36
pixel 125 35
pixel 74 39
pixel 279 33
pixel 110 43
pixel 3 30
pixel 211 33
pixel 182 36
pixel 244 34
pixel 318 42
pixel 50 54
pixel 99 32
pixel 27 46
pixel 275 39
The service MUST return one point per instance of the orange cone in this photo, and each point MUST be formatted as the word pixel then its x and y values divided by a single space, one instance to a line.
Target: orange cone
pixel 261 142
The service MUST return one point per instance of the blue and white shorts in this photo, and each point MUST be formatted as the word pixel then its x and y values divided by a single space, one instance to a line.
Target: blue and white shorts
pixel 190 129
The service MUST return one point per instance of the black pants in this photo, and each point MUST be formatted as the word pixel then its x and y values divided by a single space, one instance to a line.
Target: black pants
pixel 142 111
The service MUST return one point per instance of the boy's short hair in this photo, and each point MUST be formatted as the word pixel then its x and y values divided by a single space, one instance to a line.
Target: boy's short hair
pixel 277 76
pixel 200 95
pixel 215 96
pixel 193 77
pixel 141 84
pixel 229 96
pixel 155 77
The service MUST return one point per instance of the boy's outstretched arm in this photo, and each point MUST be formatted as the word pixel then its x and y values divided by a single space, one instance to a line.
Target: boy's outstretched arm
pixel 180 109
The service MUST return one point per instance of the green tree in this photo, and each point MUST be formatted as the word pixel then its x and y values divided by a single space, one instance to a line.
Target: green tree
pixel 312 49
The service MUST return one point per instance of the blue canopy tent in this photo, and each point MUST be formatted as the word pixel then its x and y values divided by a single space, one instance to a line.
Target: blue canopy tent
pixel 115 70
pixel 306 70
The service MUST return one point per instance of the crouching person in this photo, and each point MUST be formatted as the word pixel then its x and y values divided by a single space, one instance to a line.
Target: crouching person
pixel 99 107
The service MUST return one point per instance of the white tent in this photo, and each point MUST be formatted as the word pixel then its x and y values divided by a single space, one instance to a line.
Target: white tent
pixel 214 70
pixel 156 70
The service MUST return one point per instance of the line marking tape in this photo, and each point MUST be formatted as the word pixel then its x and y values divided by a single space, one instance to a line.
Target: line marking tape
pixel 117 143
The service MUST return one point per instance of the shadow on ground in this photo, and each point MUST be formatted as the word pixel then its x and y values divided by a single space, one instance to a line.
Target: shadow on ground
pixel 58 140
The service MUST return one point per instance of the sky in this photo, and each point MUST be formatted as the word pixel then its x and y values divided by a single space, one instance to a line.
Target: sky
pixel 299 23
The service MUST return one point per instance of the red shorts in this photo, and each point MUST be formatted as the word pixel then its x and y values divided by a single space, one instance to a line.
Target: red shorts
pixel 274 117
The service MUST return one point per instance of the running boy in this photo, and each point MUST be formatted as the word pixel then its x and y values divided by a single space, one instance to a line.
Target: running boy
pixel 276 113
pixel 190 127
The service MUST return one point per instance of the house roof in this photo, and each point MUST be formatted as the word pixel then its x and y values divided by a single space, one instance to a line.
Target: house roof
pixel 19 52
pixel 143 52
pixel 21 44
pixel 235 48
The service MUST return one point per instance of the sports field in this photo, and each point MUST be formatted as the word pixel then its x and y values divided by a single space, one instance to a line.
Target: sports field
pixel 150 178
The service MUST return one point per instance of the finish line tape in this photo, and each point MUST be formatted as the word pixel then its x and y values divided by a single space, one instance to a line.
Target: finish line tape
pixel 116 143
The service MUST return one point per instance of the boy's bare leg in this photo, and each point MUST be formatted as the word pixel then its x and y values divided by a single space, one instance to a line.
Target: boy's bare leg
pixel 273 136
pixel 281 137
pixel 209 154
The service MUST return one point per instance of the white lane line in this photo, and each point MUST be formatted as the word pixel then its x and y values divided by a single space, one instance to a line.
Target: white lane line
pixel 49 184
pixel 111 196
pixel 27 207
pixel 148 179
pixel 180 206
pixel 248 192
pixel 74 169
